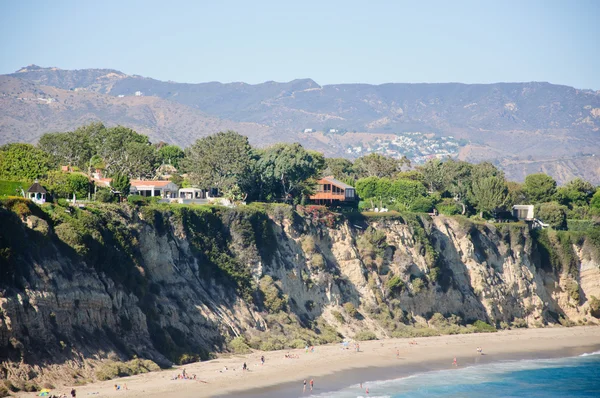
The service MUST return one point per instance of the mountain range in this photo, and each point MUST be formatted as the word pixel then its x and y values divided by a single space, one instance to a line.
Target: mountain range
pixel 523 127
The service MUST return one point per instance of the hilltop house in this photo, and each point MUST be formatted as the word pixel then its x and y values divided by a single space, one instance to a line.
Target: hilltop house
pixel 330 190
pixel 523 212
pixel 37 193
pixel 164 189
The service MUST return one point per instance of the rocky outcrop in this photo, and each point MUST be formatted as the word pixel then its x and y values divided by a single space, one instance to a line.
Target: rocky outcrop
pixel 174 284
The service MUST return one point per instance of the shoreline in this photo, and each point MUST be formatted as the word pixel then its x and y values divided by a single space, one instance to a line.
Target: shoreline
pixel 333 368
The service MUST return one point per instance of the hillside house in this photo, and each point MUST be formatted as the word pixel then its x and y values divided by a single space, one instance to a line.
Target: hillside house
pixel 164 189
pixel 330 190
pixel 523 212
pixel 37 193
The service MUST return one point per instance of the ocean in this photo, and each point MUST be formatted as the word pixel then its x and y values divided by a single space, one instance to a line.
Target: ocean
pixel 559 377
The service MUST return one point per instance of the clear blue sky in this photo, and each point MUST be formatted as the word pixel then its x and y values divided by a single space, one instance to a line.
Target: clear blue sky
pixel 329 41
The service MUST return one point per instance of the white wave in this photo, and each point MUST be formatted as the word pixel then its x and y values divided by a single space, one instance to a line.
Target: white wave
pixel 587 354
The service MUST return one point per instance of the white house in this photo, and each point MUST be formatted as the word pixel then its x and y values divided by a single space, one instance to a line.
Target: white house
pixel 138 93
pixel 164 189
pixel 309 130
pixel 523 212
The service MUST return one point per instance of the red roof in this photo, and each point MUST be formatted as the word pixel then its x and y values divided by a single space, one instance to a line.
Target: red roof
pixel 137 183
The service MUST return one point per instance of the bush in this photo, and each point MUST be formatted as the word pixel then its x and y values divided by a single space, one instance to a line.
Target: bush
pixel 519 323
pixel 104 196
pixel 418 285
pixel 423 204
pixel 338 317
pixel 594 306
pixel 365 335
pixel 318 261
pixel 308 244
pixel 395 284
pixel 448 207
pixel 239 346
pixel 573 290
pixel 553 214
pixel 298 343
pixel 350 310
pixel 482 327
pixel 110 369
pixel 137 200
pixel 273 300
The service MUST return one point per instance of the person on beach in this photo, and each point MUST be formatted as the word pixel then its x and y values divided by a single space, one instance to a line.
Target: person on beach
pixel 367 391
pixel 397 353
pixel 262 360
pixel 244 367
pixel 454 362
pixel 312 383
pixel 304 389
pixel 73 393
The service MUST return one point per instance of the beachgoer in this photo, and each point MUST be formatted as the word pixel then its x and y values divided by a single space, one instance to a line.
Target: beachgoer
pixel 73 393
pixel 367 391
pixel 244 367
pixel 262 360
pixel 397 353
pixel 306 349
pixel 312 382
pixel 454 362
pixel 304 389
pixel 183 373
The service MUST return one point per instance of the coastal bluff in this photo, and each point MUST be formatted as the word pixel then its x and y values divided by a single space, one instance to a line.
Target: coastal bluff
pixel 174 284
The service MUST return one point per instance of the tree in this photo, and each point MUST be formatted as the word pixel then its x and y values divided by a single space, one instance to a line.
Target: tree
pixel 457 179
pixel 171 154
pixel 138 160
pixel 595 201
pixel 539 188
pixel 71 148
pixel 376 165
pixel 220 161
pixel 553 214
pixel 516 195
pixel 577 192
pixel 489 194
pixel 79 185
pixel 288 167
pixel 406 192
pixel 23 162
pixel 433 175
pixel 340 168
pixel 367 188
pixel 120 183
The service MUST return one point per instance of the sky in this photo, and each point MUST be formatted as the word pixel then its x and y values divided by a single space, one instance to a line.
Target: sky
pixel 331 42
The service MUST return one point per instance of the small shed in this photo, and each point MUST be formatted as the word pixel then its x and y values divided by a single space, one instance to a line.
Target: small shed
pixel 523 212
pixel 37 193
pixel 330 190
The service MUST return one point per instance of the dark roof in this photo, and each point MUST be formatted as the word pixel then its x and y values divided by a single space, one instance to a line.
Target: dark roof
pixel 36 188
pixel 338 183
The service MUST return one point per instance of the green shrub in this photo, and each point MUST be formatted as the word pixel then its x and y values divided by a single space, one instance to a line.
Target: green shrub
pixel 338 317
pixel 350 310
pixel 553 214
pixel 111 369
pixel 519 323
pixel 418 285
pixel 137 200
pixel 272 344
pixel 573 290
pixel 239 346
pixel 395 284
pixel 482 327
pixel 594 306
pixel 308 244
pixel 298 343
pixel 62 202
pixel 273 300
pixel 318 261
pixel 365 335
pixel 104 196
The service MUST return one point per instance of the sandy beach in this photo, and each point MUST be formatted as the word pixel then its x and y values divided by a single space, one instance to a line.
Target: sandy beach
pixel 333 367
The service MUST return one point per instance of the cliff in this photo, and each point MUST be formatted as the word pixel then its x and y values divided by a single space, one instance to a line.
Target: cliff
pixel 174 284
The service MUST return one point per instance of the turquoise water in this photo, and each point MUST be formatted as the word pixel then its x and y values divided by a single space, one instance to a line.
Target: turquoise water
pixel 562 377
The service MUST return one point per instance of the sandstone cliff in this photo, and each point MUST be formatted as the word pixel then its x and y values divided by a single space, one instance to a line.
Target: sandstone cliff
pixel 176 284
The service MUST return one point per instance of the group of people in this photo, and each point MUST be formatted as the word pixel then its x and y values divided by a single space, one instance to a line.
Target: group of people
pixel 312 383
pixel 291 356
pixel 182 376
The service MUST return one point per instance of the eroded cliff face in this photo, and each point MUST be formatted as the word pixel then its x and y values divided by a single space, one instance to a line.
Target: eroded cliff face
pixel 176 284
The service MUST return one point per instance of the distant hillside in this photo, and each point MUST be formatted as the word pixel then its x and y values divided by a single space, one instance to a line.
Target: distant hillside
pixel 28 110
pixel 504 122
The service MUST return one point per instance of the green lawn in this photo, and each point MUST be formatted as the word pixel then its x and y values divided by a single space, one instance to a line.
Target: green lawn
pixel 9 188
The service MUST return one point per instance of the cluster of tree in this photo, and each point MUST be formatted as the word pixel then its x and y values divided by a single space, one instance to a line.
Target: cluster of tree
pixel 228 162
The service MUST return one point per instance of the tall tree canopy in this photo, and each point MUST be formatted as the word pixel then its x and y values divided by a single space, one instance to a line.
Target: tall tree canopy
pixel 489 194
pixel 539 188
pixel 222 160
pixel 23 161
pixel 171 154
pixel 288 167
pixel 71 148
pixel 376 165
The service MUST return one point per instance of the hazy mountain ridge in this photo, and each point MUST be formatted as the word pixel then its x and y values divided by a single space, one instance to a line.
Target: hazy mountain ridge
pixel 505 122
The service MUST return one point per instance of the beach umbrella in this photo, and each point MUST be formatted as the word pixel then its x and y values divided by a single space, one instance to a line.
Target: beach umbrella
pixel 44 393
